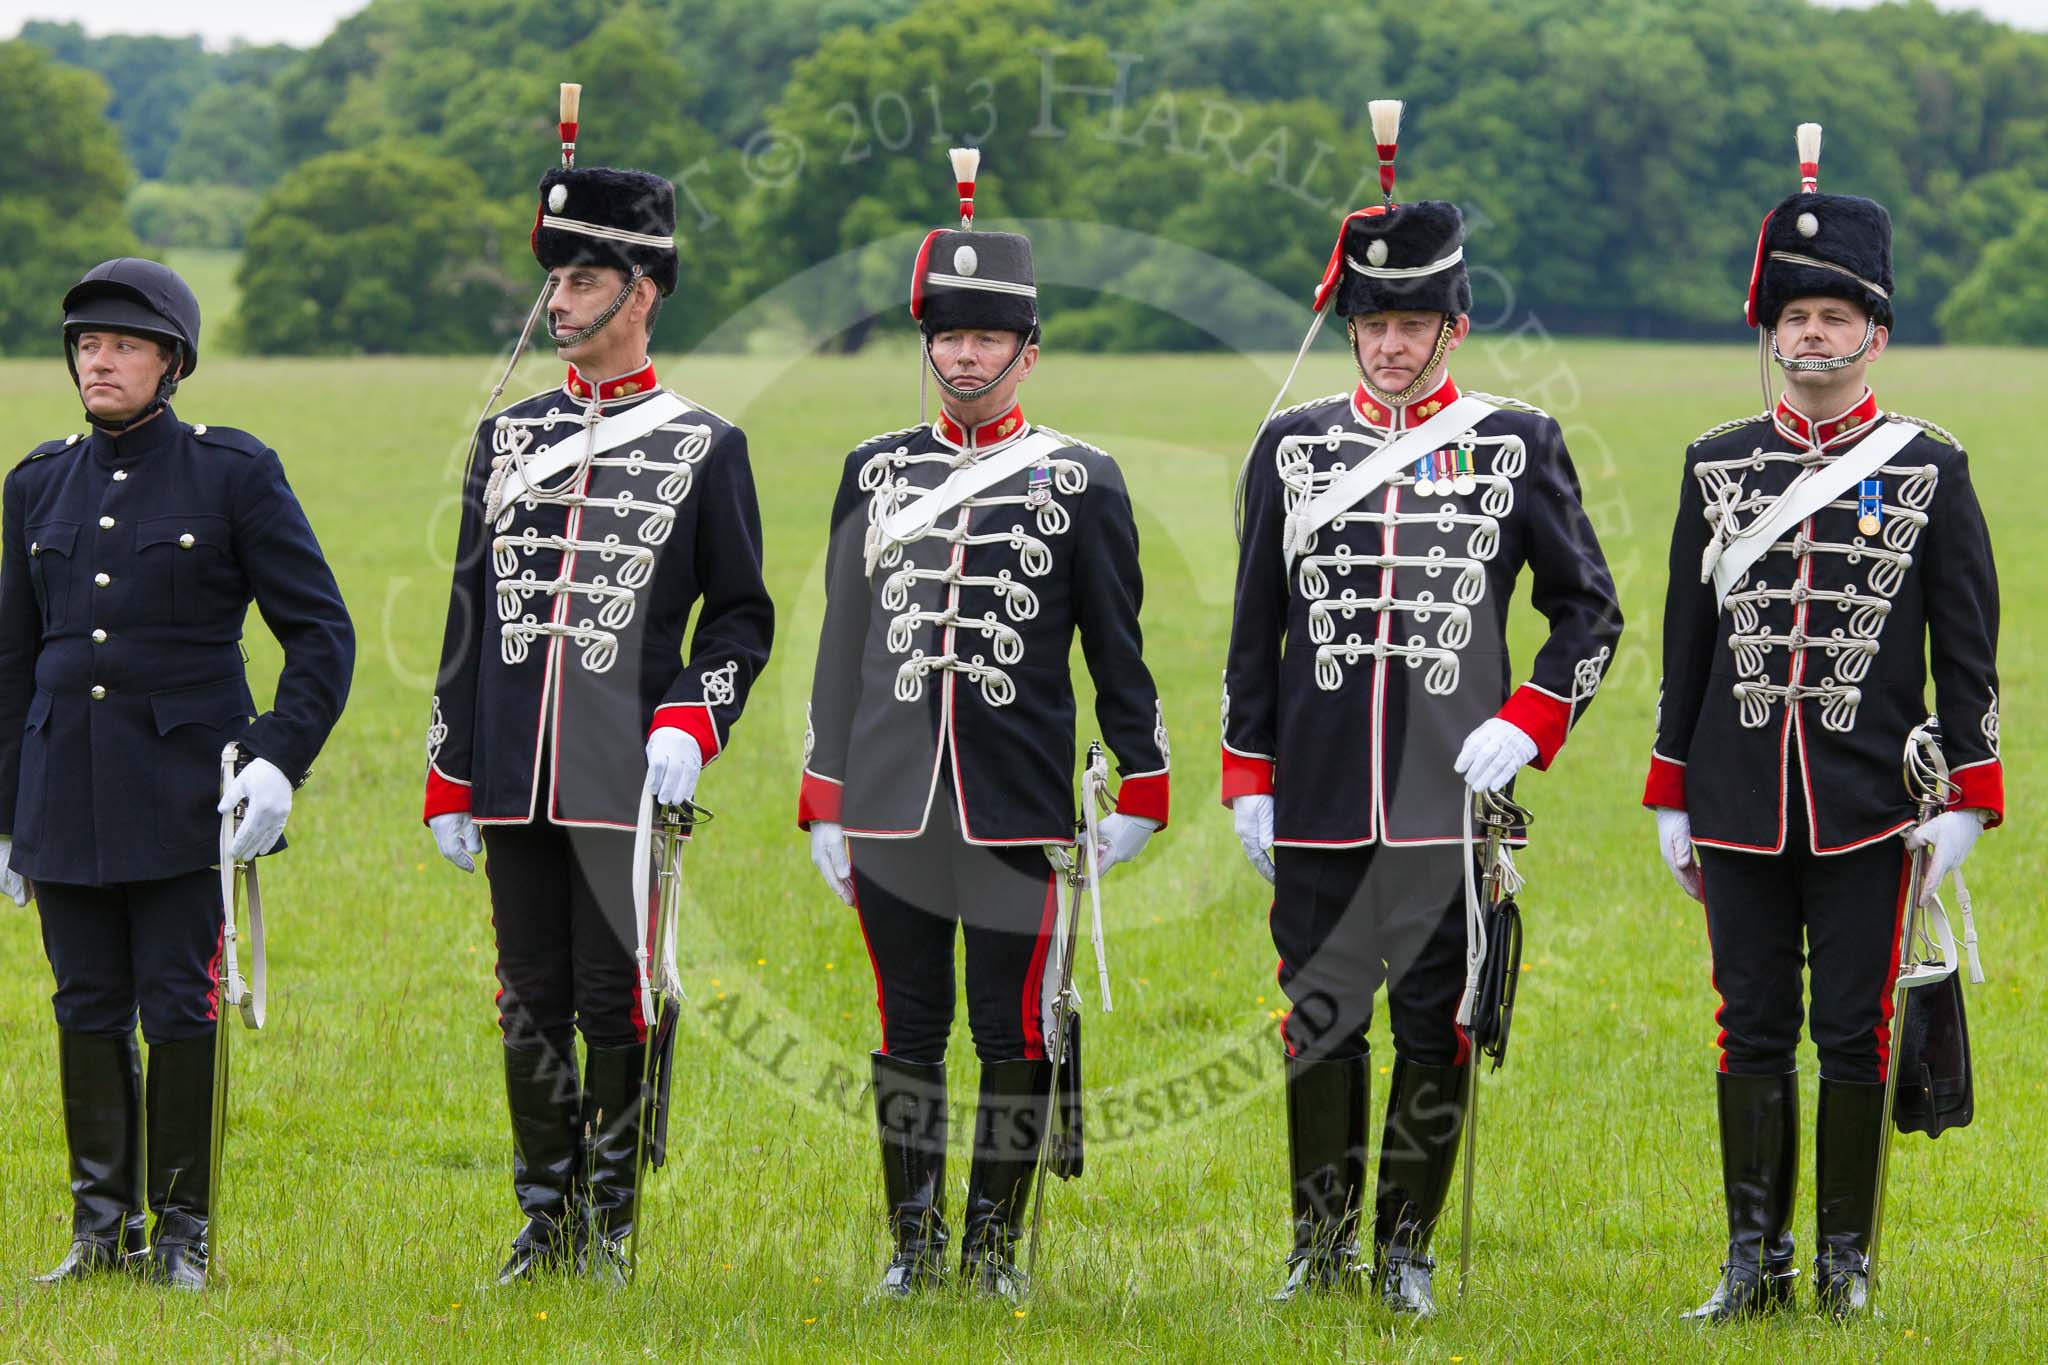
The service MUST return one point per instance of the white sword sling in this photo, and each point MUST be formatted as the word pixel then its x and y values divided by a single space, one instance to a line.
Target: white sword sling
pixel 233 992
pixel 1726 561
pixel 1061 1151
pixel 917 517
pixel 1354 485
pixel 531 471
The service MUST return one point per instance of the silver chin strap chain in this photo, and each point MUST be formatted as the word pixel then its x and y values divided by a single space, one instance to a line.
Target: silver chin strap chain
pixel 1768 344
pixel 950 391
pixel 611 311
pixel 1422 378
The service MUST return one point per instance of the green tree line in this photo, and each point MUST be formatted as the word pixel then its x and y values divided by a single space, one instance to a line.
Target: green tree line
pixel 1184 162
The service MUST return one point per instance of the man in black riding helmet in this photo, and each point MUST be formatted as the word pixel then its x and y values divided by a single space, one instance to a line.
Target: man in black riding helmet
pixel 132 552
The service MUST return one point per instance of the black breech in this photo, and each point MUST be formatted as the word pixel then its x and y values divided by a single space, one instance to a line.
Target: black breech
pixel 562 908
pixel 1346 921
pixel 910 893
pixel 149 948
pixel 1770 914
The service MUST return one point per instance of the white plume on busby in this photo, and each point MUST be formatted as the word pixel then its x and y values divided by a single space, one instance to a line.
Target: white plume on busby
pixel 966 165
pixel 1827 245
pixel 965 278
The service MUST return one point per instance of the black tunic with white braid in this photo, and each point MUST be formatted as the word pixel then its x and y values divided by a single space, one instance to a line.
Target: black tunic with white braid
pixel 1803 683
pixel 951 641
pixel 564 645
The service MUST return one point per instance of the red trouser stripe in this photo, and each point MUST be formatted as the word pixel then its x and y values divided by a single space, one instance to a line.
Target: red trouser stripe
pixel 1721 1037
pixel 1891 976
pixel 220 935
pixel 1034 980
pixel 881 1004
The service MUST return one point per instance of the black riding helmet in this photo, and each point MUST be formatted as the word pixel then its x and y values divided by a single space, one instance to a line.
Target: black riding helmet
pixel 129 294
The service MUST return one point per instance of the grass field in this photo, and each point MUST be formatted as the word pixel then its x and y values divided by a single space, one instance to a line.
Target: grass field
pixel 367 1197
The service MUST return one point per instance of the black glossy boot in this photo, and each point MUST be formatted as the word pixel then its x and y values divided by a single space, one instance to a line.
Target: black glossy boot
pixel 100 1076
pixel 1847 1134
pixel 612 1115
pixel 1759 1177
pixel 1326 1163
pixel 1009 1124
pixel 543 1092
pixel 180 1117
pixel 910 1116
pixel 1418 1153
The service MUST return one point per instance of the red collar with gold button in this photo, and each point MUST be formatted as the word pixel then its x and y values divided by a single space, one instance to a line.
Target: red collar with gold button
pixel 621 386
pixel 1834 430
pixel 1372 412
pixel 988 433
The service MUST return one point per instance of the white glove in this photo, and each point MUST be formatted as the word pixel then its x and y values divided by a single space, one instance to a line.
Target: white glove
pixel 1674 841
pixel 1493 753
pixel 12 885
pixel 1253 816
pixel 1949 837
pixel 674 763
pixel 268 793
pixel 458 838
pixel 1120 838
pixel 828 855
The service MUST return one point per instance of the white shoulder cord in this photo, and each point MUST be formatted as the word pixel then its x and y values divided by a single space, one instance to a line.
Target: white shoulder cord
pixel 582 466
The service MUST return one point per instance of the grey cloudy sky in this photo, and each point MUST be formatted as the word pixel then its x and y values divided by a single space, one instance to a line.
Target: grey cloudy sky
pixel 305 22
pixel 219 22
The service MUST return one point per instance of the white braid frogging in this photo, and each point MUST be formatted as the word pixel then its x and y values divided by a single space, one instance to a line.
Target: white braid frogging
pixel 611 598
pixel 1490 497
pixel 890 489
pixel 1859 612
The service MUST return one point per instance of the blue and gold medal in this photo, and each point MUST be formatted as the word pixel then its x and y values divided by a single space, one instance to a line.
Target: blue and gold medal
pixel 1870 507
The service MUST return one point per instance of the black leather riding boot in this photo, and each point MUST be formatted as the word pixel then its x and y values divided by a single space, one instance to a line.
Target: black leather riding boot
pixel 1418 1153
pixel 910 1117
pixel 1759 1177
pixel 1326 1163
pixel 100 1076
pixel 1009 1125
pixel 180 1120
pixel 542 1091
pixel 1848 1131
pixel 612 1115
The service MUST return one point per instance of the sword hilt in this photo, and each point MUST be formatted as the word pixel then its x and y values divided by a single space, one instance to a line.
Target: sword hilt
pixel 1926 770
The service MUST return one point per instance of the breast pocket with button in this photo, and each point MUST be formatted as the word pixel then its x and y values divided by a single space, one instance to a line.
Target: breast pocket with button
pixel 185 557
pixel 50 547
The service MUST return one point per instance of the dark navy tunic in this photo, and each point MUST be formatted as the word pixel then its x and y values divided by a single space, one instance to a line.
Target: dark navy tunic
pixel 130 564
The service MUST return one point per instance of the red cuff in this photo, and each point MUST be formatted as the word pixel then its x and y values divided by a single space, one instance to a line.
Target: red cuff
pixel 1666 784
pixel 1145 797
pixel 1981 786
pixel 1244 775
pixel 819 800
pixel 445 796
pixel 693 719
pixel 1541 717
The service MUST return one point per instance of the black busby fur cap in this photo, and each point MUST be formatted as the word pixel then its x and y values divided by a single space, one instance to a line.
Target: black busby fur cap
pixel 974 279
pixel 1850 234
pixel 595 215
pixel 1401 238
